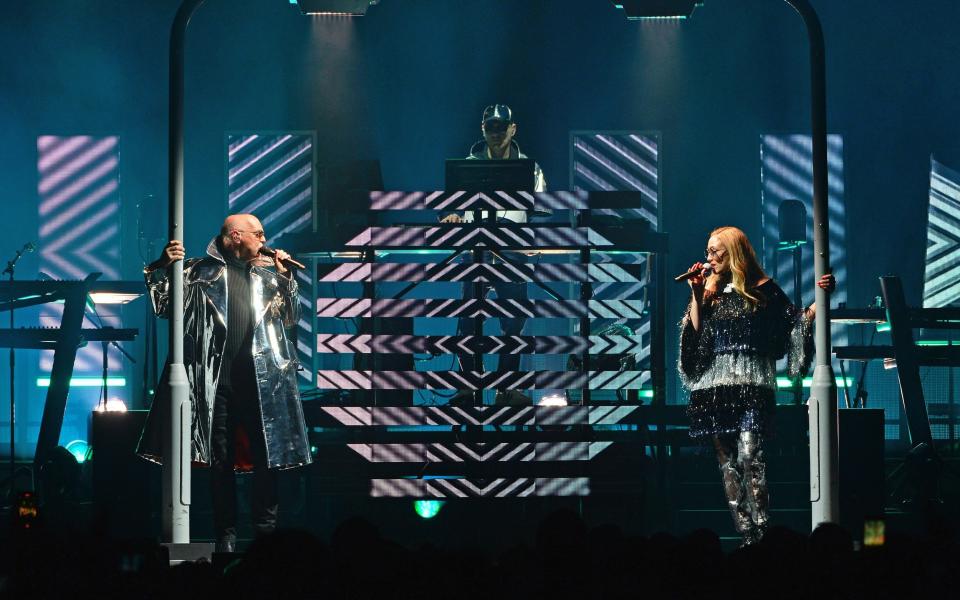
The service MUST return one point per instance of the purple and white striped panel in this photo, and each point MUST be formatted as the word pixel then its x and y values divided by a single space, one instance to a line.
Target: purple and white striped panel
pixel 466 488
pixel 459 200
pixel 79 227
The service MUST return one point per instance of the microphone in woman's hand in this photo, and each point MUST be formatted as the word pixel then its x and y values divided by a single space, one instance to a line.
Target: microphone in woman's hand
pixel 289 263
pixel 685 276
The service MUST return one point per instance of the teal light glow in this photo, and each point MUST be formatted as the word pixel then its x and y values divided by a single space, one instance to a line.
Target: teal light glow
pixel 86 381
pixel 427 509
pixel 80 450
pixel 789 245
pixel 883 326
pixel 787 383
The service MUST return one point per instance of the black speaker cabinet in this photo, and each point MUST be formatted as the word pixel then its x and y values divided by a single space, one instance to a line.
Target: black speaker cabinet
pixel 126 488
pixel 861 469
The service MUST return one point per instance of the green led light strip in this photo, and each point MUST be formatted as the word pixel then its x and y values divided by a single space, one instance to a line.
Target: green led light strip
pixel 86 381
pixel 787 383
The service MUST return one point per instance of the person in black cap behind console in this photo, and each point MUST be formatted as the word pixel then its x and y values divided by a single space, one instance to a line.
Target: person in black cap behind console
pixel 499 129
pixel 498 143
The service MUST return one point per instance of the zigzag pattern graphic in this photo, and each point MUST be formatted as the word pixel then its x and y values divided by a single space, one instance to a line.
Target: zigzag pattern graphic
pixel 466 488
pixel 604 267
pixel 479 380
pixel 559 272
pixel 79 226
pixel 470 236
pixel 941 279
pixel 332 343
pixel 621 161
pixel 365 307
pixel 477 416
pixel 457 201
pixel 494 453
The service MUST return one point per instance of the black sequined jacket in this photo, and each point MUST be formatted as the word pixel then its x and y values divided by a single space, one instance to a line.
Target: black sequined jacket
pixel 739 345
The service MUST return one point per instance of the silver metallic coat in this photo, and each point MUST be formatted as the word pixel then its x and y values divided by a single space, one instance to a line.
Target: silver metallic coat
pixel 275 307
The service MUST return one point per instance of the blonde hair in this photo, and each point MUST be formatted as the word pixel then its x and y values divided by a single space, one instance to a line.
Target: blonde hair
pixel 745 269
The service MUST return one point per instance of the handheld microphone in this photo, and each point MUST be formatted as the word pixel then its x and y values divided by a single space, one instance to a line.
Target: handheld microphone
pixel 287 262
pixel 685 276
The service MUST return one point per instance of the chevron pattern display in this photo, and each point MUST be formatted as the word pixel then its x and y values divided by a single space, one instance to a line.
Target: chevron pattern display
pixel 470 236
pixel 271 175
pixel 458 201
pixel 621 161
pixel 941 279
pixel 545 272
pixel 529 452
pixel 78 190
pixel 465 488
pixel 447 418
pixel 421 273
pixel 478 416
pixel 477 380
pixel 594 309
pixel 469 345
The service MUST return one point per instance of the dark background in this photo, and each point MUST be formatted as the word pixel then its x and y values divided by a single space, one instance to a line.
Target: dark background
pixel 407 84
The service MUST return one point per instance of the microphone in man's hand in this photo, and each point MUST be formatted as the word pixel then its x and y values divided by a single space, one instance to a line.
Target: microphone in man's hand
pixel 289 263
pixel 685 276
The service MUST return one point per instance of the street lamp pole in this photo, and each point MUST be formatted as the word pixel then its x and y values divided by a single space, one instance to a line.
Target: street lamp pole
pixel 824 489
pixel 177 438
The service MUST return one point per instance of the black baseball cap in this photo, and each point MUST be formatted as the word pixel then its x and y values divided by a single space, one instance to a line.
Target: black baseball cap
pixel 498 112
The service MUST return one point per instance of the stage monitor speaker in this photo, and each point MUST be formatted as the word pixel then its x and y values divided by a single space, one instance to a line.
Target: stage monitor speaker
pixel 126 488
pixel 792 218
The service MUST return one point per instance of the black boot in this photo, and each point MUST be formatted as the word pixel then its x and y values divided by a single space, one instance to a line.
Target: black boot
pixel 754 535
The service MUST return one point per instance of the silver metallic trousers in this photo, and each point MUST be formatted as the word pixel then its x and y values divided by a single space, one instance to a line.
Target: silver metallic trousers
pixel 744 473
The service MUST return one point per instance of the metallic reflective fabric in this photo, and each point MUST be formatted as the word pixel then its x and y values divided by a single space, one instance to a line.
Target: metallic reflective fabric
pixel 754 470
pixel 729 366
pixel 275 306
pixel 744 474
